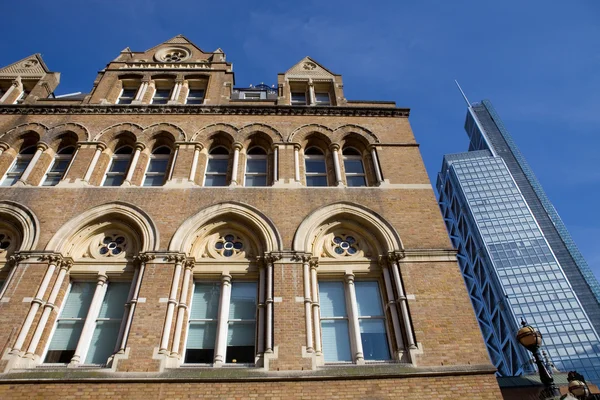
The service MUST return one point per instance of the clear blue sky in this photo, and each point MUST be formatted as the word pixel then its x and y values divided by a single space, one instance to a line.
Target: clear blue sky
pixel 537 61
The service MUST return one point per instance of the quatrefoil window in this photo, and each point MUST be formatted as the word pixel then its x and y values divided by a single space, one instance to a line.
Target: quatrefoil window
pixel 112 245
pixel 345 245
pixel 229 245
pixel 5 241
pixel 172 55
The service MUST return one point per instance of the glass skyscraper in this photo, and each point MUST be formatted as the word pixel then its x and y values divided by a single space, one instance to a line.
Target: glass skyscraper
pixel 517 258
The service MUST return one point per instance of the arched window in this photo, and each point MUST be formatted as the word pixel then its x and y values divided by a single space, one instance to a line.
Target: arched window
pixel 316 169
pixel 119 163
pixel 353 165
pixel 157 167
pixel 216 167
pixel 256 167
pixel 59 166
pixel 18 166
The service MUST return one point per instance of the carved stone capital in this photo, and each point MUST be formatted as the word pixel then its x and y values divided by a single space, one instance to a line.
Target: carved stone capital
pixel 143 258
pixel 270 258
pixel 178 258
pixel 314 262
pixel 52 258
pixel 16 258
pixel 66 264
pixel 190 263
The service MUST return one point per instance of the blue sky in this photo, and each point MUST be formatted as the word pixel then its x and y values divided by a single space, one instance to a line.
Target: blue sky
pixel 537 61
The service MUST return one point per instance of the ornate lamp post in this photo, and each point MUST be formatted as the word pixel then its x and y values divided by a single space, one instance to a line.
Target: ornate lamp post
pixel 531 339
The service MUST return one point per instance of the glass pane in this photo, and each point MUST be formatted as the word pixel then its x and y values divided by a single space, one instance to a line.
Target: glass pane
pixel 374 339
pixel 215 180
pixel 368 299
pixel 355 181
pixel 162 93
pixel 125 100
pixel 316 165
pixel 114 180
pixel 129 93
pixel 256 180
pixel 298 97
pixel 103 342
pixel 316 181
pixel 205 300
pixel 354 166
pixel 66 335
pixel 78 300
pixel 119 165
pixel 240 334
pixel 217 165
pixel 196 93
pixel 322 97
pixel 52 180
pixel 202 335
pixel 332 299
pixel 336 340
pixel 158 165
pixel 154 180
pixel 243 300
pixel 258 166
pixel 113 304
pixel 20 165
pixel 60 165
pixel 10 180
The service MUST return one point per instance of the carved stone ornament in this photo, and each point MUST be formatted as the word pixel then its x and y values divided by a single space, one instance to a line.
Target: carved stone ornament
pixel 7 243
pixel 224 244
pixel 29 63
pixel 343 244
pixel 309 66
pixel 172 54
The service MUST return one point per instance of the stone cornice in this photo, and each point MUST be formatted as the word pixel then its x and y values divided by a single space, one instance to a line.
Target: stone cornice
pixel 74 109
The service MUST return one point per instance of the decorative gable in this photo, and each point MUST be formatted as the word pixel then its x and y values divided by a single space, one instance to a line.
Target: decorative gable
pixel 309 68
pixel 29 67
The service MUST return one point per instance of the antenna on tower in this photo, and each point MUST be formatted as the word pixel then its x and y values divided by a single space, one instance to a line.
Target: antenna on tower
pixel 463 93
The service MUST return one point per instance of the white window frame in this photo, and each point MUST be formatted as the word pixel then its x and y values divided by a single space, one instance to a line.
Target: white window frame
pixel 216 156
pixel 165 99
pixel 315 157
pixel 19 156
pixel 264 157
pixel 58 157
pixel 252 95
pixel 296 102
pixel 127 98
pixel 322 103
pixel 188 97
pixel 112 160
pixel 157 157
pixel 351 174
pixel 21 97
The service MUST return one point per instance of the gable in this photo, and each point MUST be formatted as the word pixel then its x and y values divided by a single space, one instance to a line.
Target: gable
pixel 29 67
pixel 309 68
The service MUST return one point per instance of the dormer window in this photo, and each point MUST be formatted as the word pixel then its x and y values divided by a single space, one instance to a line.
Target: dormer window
pixel 298 98
pixel 252 95
pixel 195 96
pixel 322 99
pixel 161 96
pixel 127 95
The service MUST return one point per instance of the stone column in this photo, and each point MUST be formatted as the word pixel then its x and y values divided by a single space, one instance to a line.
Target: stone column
pixel 15 86
pixel 224 302
pixel 296 162
pixel 100 147
pixel 3 147
pixel 197 150
pixel 393 260
pixel 71 162
pixel 175 154
pixel 376 165
pixel 335 149
pixel 41 147
pixel 164 342
pixel 261 307
pixel 270 259
pixel 391 303
pixel 311 93
pixel 13 261
pixel 182 307
pixel 138 149
pixel 275 163
pixel 237 146
pixel 307 303
pixel 175 92
pixel 53 261
pixel 90 321
pixel 48 307
pixel 353 319
pixel 316 313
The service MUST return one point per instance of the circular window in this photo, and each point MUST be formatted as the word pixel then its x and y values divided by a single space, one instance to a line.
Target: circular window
pixel 113 245
pixel 172 55
pixel 229 245
pixel 345 245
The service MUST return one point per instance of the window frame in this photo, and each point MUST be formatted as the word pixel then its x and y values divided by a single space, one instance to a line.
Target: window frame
pixel 195 99
pixel 162 86
pixel 114 157
pixel 20 156
pixel 322 103
pixel 152 157
pixel 57 158
pixel 323 157
pixel 264 157
pixel 296 102
pixel 354 157
pixel 217 157
pixel 128 100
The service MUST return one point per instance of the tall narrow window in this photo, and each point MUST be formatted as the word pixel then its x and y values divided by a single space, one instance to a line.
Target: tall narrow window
pixel 59 166
pixel 117 169
pixel 256 167
pixel 371 320
pixel 18 166
pixel 161 96
pixel 334 322
pixel 195 96
pixel 157 167
pixel 127 95
pixel 355 170
pixel 316 169
pixel 216 167
pixel 204 323
pixel 322 99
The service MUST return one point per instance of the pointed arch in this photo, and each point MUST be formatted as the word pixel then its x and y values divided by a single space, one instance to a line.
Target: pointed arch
pixel 249 129
pixel 369 221
pixel 300 133
pixel 24 221
pixel 204 133
pixel 264 229
pixel 107 134
pixel 80 131
pixel 127 214
pixel 344 130
pixel 178 135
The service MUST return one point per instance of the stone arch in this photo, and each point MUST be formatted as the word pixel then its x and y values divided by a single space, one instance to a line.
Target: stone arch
pixel 342 131
pixel 356 217
pixel 300 133
pixel 204 133
pixel 22 220
pixel 53 134
pixel 12 136
pixel 123 215
pixel 255 222
pixel 177 134
pixel 108 134
pixel 248 130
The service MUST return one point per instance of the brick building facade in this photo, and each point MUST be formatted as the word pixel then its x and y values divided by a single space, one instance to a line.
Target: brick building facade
pixel 169 235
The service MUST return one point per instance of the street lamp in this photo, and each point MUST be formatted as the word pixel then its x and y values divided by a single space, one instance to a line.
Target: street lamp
pixel 531 339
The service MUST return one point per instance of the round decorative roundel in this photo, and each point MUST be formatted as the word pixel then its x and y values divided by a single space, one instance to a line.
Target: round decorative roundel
pixel 229 245
pixel 345 245
pixel 172 54
pixel 112 245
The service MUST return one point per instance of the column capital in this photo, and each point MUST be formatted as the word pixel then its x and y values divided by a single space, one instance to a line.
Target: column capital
pixel 197 146
pixel 226 279
pixel 334 147
pixel 270 258
pixel 143 258
pixel 42 146
pixel 66 264
pixel 16 258
pixel 101 146
pixel 314 262
pixel 4 146
pixel 349 277
pixel 237 146
pixel 372 146
pixel 190 263
pixel 140 146
pixel 297 146
pixel 52 258
pixel 396 256
pixel 101 278
pixel 178 258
